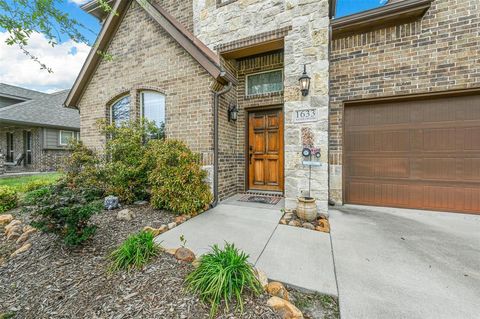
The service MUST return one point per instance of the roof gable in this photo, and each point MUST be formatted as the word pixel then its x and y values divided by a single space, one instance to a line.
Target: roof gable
pixel 199 51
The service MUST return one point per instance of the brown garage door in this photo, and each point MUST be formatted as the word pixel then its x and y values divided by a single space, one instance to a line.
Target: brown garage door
pixel 417 154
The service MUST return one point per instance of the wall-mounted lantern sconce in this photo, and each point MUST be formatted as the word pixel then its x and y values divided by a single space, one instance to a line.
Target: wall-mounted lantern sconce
pixel 304 81
pixel 232 113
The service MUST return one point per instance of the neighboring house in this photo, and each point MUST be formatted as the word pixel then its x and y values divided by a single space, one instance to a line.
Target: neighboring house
pixel 392 103
pixel 35 128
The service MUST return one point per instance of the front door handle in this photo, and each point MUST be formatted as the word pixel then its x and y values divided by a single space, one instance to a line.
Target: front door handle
pixel 250 153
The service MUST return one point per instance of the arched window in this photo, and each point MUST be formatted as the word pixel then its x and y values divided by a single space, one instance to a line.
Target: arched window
pixel 153 110
pixel 120 111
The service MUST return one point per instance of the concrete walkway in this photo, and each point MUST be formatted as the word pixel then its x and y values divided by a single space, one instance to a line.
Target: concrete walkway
pixel 394 263
pixel 295 256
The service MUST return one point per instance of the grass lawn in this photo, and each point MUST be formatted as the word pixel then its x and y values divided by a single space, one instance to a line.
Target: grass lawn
pixel 18 182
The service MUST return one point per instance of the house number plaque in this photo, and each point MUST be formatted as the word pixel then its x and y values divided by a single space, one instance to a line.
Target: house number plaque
pixel 305 115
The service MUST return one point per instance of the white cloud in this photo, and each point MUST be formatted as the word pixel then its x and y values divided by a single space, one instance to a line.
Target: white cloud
pixel 79 2
pixel 65 59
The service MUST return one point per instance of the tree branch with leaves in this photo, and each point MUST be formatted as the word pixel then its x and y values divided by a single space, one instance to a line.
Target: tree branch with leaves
pixel 22 18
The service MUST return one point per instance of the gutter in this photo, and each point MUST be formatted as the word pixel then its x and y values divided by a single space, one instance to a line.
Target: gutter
pixel 216 98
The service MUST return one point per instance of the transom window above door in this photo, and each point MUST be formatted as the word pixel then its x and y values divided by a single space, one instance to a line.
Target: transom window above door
pixel 120 111
pixel 264 82
pixel 153 109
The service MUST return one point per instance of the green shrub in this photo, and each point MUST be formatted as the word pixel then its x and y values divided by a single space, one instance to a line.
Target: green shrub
pixel 34 196
pixel 66 212
pixel 177 179
pixel 223 274
pixel 83 168
pixel 36 184
pixel 135 252
pixel 125 167
pixel 8 198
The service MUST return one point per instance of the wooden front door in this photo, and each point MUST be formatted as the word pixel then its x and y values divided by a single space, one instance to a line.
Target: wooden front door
pixel 265 150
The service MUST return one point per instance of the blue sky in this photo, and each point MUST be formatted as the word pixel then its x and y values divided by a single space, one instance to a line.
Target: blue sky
pixel 347 7
pixel 72 7
pixel 67 58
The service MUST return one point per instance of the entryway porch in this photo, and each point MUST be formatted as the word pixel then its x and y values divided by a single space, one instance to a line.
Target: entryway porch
pixel 299 257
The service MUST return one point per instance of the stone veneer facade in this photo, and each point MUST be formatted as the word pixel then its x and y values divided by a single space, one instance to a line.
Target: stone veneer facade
pixel 436 53
pixel 306 42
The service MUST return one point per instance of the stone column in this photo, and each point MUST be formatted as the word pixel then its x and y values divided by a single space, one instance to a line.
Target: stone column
pixel 307 43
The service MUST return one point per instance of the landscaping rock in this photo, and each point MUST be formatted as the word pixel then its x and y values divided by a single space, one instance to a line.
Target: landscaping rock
pixel 308 226
pixel 171 251
pixel 283 221
pixel 284 308
pixel 111 202
pixel 140 202
pixel 180 219
pixel 12 224
pixel 185 254
pixel 125 215
pixel 28 228
pixel 6 219
pixel 323 215
pixel 288 216
pixel 196 263
pixel 13 235
pixel 262 277
pixel 21 250
pixel 323 226
pixel 15 229
pixel 156 231
pixel 172 225
pixel 277 289
pixel 295 223
pixel 25 236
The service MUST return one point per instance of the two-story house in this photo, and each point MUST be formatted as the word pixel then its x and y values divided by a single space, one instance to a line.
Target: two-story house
pixel 386 101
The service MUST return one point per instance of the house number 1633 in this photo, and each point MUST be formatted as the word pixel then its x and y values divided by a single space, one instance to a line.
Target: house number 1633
pixel 305 115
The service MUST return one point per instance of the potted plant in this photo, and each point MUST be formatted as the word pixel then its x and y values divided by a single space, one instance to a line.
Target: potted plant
pixel 307 205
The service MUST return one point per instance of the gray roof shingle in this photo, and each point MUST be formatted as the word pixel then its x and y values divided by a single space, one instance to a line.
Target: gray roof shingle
pixel 46 111
pixel 19 92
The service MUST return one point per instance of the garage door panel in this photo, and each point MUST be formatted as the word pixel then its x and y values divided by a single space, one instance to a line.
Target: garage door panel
pixel 440 139
pixel 418 154
pixel 439 168
pixel 378 167
pixel 472 138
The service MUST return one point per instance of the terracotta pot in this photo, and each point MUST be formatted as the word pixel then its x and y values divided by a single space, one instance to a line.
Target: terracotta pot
pixel 307 208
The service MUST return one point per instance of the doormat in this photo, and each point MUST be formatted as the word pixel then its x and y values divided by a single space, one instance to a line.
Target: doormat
pixel 262 199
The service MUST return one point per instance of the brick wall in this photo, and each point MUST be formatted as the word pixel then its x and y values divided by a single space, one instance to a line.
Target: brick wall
pixel 42 159
pixel 232 137
pixel 439 52
pixel 146 57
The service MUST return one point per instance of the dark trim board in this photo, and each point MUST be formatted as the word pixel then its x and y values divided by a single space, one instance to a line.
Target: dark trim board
pixel 388 14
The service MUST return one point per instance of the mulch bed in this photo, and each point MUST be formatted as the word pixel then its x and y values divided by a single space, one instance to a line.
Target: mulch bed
pixel 51 281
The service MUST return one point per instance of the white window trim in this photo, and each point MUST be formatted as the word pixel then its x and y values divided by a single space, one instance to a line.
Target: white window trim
pixel 256 73
pixel 60 137
pixel 141 103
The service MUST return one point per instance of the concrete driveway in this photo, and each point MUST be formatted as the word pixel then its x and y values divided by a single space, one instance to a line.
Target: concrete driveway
pixel 393 263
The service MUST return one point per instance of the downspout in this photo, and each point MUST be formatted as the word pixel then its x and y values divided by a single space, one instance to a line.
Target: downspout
pixel 216 98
